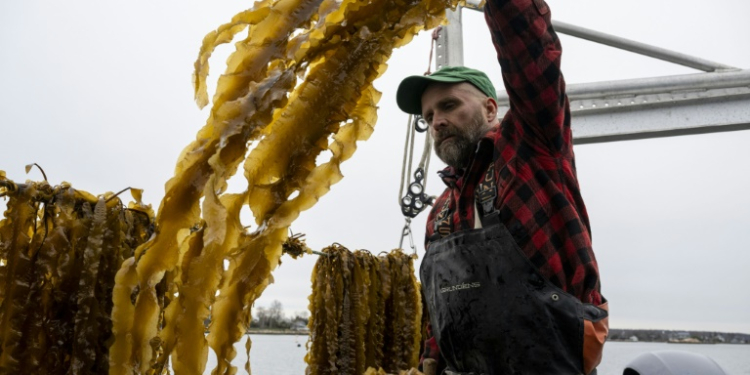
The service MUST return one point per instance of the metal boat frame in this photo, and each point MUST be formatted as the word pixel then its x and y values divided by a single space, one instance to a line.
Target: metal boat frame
pixel 717 100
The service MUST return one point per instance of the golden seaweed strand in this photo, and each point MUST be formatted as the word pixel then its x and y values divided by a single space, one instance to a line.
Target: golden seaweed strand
pixel 126 282
pixel 184 190
pixel 198 290
pixel 277 235
pixel 223 34
pixel 190 249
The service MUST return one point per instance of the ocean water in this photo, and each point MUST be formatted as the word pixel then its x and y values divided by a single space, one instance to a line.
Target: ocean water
pixel 281 355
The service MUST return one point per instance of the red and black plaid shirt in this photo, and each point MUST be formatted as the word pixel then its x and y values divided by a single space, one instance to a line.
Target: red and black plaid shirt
pixel 538 196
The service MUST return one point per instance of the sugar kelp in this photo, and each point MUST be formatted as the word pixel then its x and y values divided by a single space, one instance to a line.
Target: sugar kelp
pixel 246 96
pixel 365 313
pixel 59 251
pixel 403 314
pixel 338 48
pixel 338 87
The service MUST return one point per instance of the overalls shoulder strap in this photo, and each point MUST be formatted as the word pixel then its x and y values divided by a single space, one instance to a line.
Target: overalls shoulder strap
pixel 485 196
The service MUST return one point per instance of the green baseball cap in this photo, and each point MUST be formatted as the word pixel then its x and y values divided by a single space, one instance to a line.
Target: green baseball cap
pixel 409 94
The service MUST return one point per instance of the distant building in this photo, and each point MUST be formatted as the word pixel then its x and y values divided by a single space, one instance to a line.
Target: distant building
pixel 299 325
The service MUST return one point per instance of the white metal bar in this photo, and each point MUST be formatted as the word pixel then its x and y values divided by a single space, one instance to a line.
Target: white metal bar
pixel 450 46
pixel 625 44
pixel 642 86
pixel 657 107
pixel 662 119
pixel 638 47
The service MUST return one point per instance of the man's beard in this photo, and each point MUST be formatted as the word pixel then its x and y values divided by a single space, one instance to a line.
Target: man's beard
pixel 458 151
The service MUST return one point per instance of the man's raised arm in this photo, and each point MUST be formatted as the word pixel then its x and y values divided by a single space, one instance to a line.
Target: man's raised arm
pixel 529 54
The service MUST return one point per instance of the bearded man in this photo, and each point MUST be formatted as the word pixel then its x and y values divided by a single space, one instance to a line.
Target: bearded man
pixel 509 277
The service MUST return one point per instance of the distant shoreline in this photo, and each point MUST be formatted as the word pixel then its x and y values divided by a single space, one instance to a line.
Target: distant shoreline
pixel 289 332
pixel 678 337
pixel 615 335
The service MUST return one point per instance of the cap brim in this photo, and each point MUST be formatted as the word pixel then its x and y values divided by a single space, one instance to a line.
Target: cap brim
pixel 409 93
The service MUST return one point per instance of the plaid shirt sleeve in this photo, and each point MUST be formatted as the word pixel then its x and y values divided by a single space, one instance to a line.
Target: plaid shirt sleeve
pixel 529 52
pixel 558 239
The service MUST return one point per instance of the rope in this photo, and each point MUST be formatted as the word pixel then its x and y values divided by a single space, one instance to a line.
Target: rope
pixel 435 36
pixel 424 162
pixel 408 157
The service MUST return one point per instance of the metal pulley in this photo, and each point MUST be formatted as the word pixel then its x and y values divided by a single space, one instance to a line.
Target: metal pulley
pixel 420 124
pixel 415 200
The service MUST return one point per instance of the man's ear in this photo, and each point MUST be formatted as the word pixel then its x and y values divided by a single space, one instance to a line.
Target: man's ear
pixel 490 106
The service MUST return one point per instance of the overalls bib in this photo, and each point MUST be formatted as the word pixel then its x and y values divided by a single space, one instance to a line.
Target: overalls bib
pixel 491 310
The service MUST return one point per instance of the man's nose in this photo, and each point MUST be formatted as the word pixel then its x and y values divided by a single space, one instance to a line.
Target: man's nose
pixel 438 122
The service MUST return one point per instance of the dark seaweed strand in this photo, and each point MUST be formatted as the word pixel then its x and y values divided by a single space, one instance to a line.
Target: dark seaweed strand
pixel 312 345
pixel 319 348
pixel 415 316
pixel 70 270
pixel 327 296
pixel 20 216
pixel 389 340
pixel 69 227
pixel 34 345
pixel 408 307
pixel 399 301
pixel 85 322
pixel 361 308
pixel 57 243
pixel 385 280
pixel 405 325
pixel 346 360
pixel 411 315
pixel 108 265
pixel 312 308
pixel 374 332
pixel 332 312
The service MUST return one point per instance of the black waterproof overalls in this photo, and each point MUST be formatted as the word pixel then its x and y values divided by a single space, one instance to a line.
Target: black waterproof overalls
pixel 491 310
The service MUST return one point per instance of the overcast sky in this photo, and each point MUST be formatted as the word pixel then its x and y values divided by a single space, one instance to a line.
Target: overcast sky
pixel 99 94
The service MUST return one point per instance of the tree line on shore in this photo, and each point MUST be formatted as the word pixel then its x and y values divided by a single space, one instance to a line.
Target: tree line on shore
pixel 273 317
